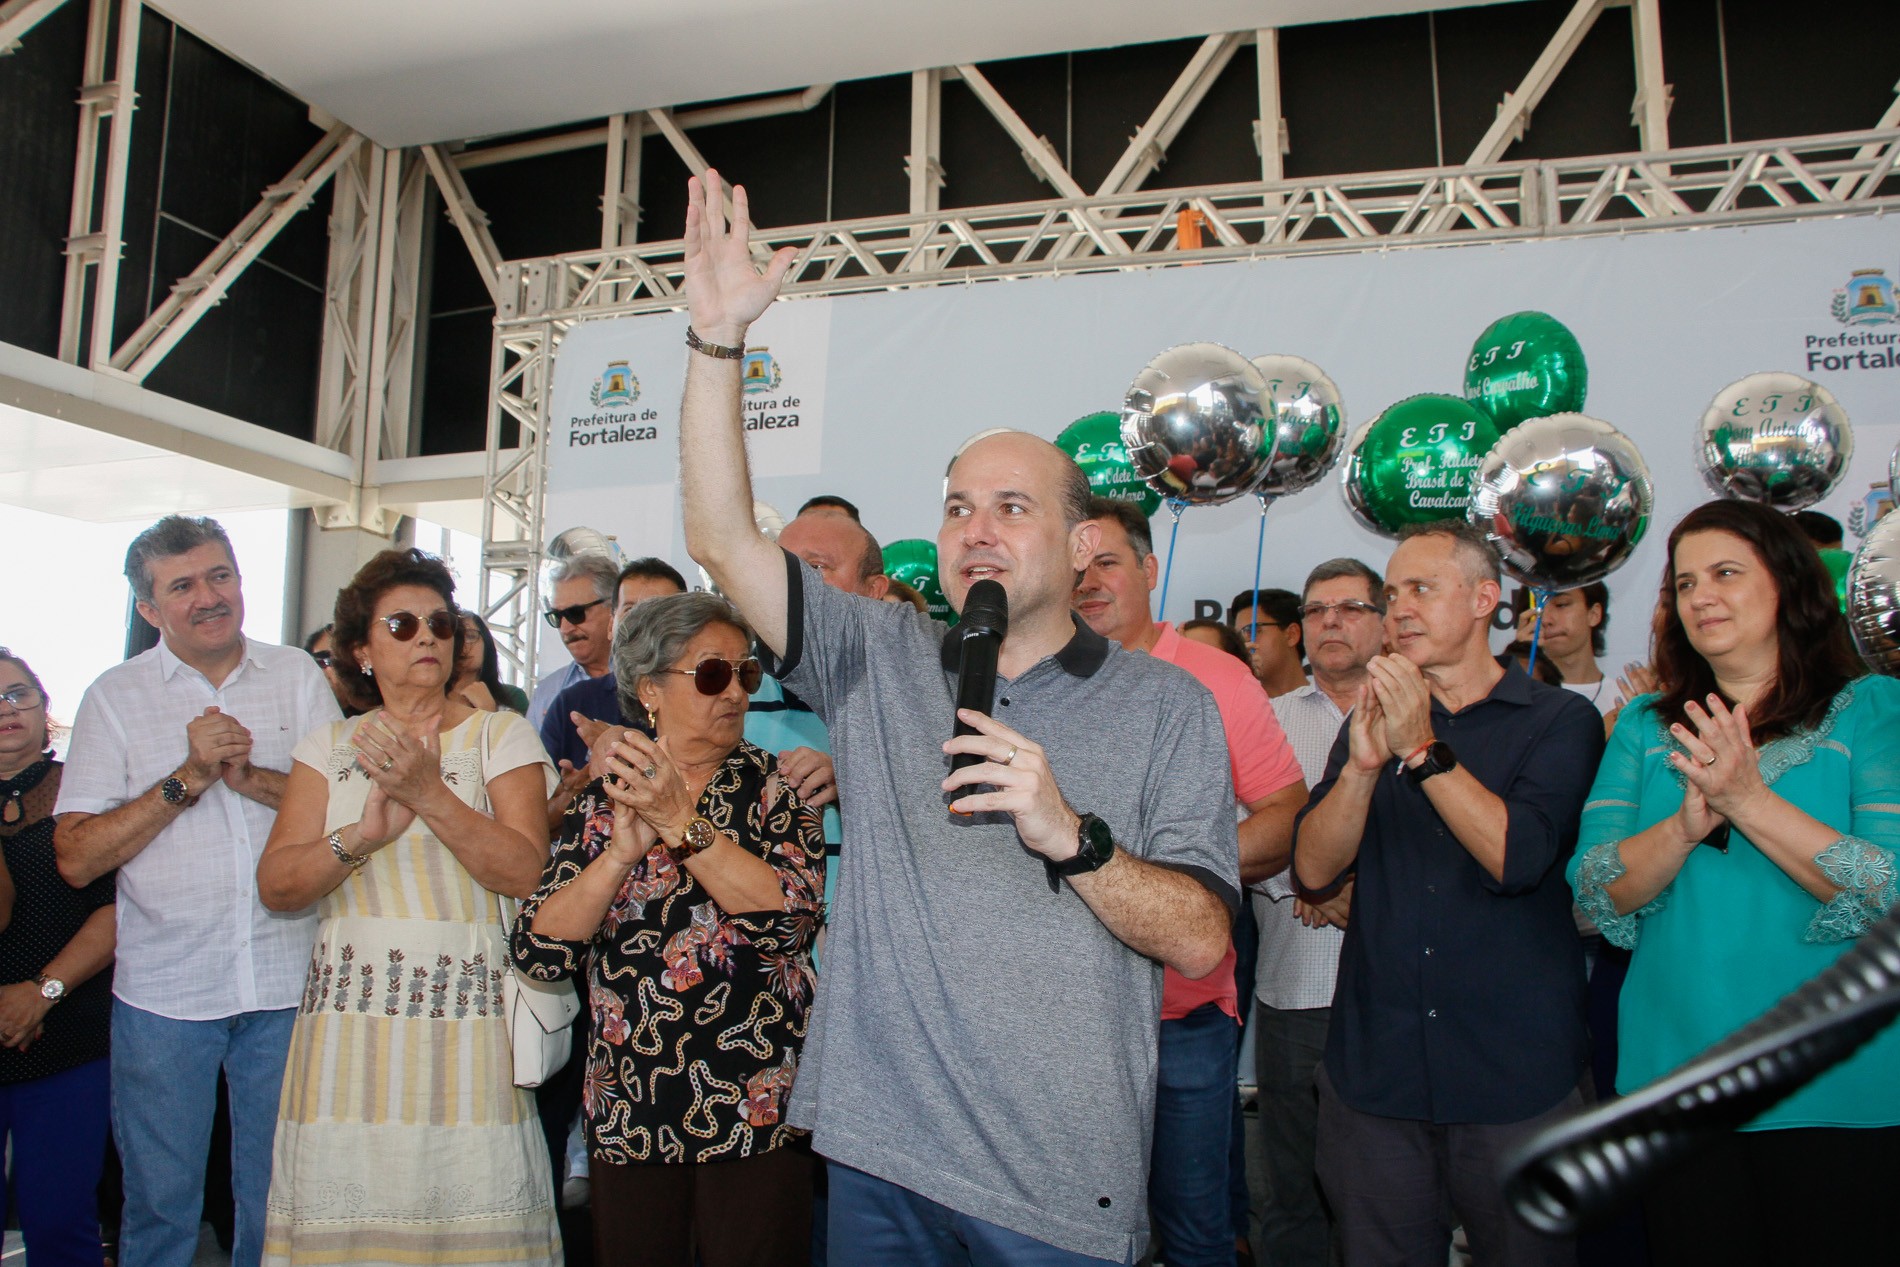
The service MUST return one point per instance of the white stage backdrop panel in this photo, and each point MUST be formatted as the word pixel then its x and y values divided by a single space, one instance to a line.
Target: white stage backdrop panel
pixel 871 393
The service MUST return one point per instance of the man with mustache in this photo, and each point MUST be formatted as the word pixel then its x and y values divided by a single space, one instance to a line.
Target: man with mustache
pixel 980 1067
pixel 177 762
pixel 1452 800
pixel 1197 1112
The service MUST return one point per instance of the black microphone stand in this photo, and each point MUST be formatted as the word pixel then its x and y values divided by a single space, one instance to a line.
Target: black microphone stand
pixel 1576 1171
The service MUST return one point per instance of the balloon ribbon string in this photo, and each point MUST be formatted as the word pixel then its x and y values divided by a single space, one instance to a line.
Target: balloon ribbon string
pixel 1259 553
pixel 1167 569
pixel 1537 629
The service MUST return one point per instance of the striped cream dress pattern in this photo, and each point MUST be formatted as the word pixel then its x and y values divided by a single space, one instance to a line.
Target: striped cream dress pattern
pixel 401 1137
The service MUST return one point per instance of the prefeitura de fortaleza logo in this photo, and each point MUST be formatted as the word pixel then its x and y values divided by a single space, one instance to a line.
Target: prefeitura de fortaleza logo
pixel 1865 305
pixel 617 386
pixel 1866 299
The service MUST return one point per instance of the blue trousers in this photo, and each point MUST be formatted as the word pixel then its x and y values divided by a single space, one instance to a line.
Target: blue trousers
pixel 1188 1197
pixel 876 1223
pixel 57 1126
pixel 164 1094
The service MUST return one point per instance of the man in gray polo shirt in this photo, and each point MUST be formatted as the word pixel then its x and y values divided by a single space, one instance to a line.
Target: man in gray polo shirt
pixel 981 1061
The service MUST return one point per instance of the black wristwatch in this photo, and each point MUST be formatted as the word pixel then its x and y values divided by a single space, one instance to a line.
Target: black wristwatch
pixel 175 792
pixel 1438 759
pixel 1094 846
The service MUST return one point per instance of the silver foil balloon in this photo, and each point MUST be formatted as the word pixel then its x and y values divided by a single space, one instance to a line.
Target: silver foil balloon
pixel 1195 424
pixel 1351 472
pixel 1566 498
pixel 1309 424
pixel 1775 438
pixel 1873 597
pixel 1893 475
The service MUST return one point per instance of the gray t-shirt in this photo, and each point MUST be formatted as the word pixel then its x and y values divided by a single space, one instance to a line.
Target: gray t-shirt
pixel 977 1039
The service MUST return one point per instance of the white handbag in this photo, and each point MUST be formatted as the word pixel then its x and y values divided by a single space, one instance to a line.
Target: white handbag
pixel 540 1015
pixel 540 1019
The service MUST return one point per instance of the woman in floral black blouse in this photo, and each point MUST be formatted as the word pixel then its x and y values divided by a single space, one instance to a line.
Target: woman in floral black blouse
pixel 687 886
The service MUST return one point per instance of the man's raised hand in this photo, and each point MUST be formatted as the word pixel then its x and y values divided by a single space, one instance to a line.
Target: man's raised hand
pixel 725 291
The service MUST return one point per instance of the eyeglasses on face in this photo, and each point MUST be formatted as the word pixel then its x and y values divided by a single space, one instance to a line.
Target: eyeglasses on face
pixel 325 659
pixel 27 698
pixel 714 675
pixel 1349 609
pixel 404 626
pixel 572 615
pixel 1249 633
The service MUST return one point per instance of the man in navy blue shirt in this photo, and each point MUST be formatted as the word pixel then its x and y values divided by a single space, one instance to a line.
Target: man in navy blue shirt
pixel 1452 796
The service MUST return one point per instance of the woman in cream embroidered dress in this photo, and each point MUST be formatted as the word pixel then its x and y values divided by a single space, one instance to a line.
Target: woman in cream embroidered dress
pixel 402 1137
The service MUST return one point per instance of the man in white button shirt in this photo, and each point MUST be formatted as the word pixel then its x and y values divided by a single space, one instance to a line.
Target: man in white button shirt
pixel 177 762
pixel 1341 622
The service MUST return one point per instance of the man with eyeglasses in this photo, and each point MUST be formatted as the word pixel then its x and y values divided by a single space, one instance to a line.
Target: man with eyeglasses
pixel 1451 799
pixel 1341 625
pixel 177 763
pixel 1268 622
pixel 979 1072
pixel 1190 1181
pixel 581 610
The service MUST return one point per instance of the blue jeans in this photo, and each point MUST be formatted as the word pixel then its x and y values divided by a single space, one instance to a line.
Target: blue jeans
pixel 164 1094
pixel 57 1125
pixel 874 1223
pixel 1188 1195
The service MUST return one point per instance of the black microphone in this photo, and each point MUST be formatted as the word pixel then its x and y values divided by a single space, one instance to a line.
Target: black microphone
pixel 980 635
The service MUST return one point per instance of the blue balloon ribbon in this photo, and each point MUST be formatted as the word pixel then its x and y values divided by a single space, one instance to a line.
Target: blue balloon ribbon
pixel 1537 629
pixel 1175 506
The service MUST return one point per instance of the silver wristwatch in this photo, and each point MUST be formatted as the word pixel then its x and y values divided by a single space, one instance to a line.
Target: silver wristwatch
pixel 52 989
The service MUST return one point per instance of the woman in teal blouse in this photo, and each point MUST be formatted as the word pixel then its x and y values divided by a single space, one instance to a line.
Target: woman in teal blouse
pixel 1740 835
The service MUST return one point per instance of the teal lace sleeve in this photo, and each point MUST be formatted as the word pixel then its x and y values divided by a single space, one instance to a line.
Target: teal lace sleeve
pixel 1865 874
pixel 1597 870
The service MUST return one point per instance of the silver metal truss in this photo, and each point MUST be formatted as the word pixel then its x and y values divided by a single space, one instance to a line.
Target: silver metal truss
pixel 365 385
pixel 1851 173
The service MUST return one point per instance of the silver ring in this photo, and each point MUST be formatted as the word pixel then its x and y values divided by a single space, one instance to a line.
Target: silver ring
pixel 650 771
pixel 1711 760
pixel 1012 755
pixel 388 761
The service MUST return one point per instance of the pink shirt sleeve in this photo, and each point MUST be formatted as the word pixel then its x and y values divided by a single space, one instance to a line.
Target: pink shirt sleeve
pixel 1263 760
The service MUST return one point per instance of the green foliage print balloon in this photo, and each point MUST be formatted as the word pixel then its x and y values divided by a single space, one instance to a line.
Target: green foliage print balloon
pixel 914 562
pixel 1417 459
pixel 1526 365
pixel 1095 442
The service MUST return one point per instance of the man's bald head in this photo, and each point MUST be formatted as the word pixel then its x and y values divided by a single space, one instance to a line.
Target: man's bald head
pixel 843 550
pixel 1067 486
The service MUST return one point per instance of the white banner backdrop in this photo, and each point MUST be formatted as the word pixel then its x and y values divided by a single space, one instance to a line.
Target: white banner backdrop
pixel 866 396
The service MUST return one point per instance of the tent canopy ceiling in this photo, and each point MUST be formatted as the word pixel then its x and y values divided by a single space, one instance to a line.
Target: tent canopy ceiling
pixel 441 70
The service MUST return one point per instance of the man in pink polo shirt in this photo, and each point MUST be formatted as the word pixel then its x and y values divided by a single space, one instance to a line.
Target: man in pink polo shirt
pixel 1188 1183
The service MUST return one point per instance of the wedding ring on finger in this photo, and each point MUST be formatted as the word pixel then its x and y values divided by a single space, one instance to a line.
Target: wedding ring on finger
pixel 1711 760
pixel 649 772
pixel 1012 755
pixel 388 761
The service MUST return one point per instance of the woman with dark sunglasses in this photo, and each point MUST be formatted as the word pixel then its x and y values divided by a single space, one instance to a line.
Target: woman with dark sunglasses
pixel 401 1136
pixel 687 888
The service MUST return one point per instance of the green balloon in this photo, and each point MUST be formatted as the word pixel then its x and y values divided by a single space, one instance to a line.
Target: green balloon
pixel 1526 365
pixel 914 562
pixel 1095 442
pixel 1837 563
pixel 1417 459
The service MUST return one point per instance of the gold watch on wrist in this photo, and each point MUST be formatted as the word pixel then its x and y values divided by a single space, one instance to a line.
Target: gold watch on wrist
pixel 697 837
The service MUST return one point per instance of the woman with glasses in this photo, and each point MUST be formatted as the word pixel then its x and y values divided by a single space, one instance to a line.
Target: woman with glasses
pixel 686 887
pixel 401 1136
pixel 56 1006
pixel 478 671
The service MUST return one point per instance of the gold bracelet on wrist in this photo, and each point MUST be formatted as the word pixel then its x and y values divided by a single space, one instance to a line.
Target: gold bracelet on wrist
pixel 354 862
